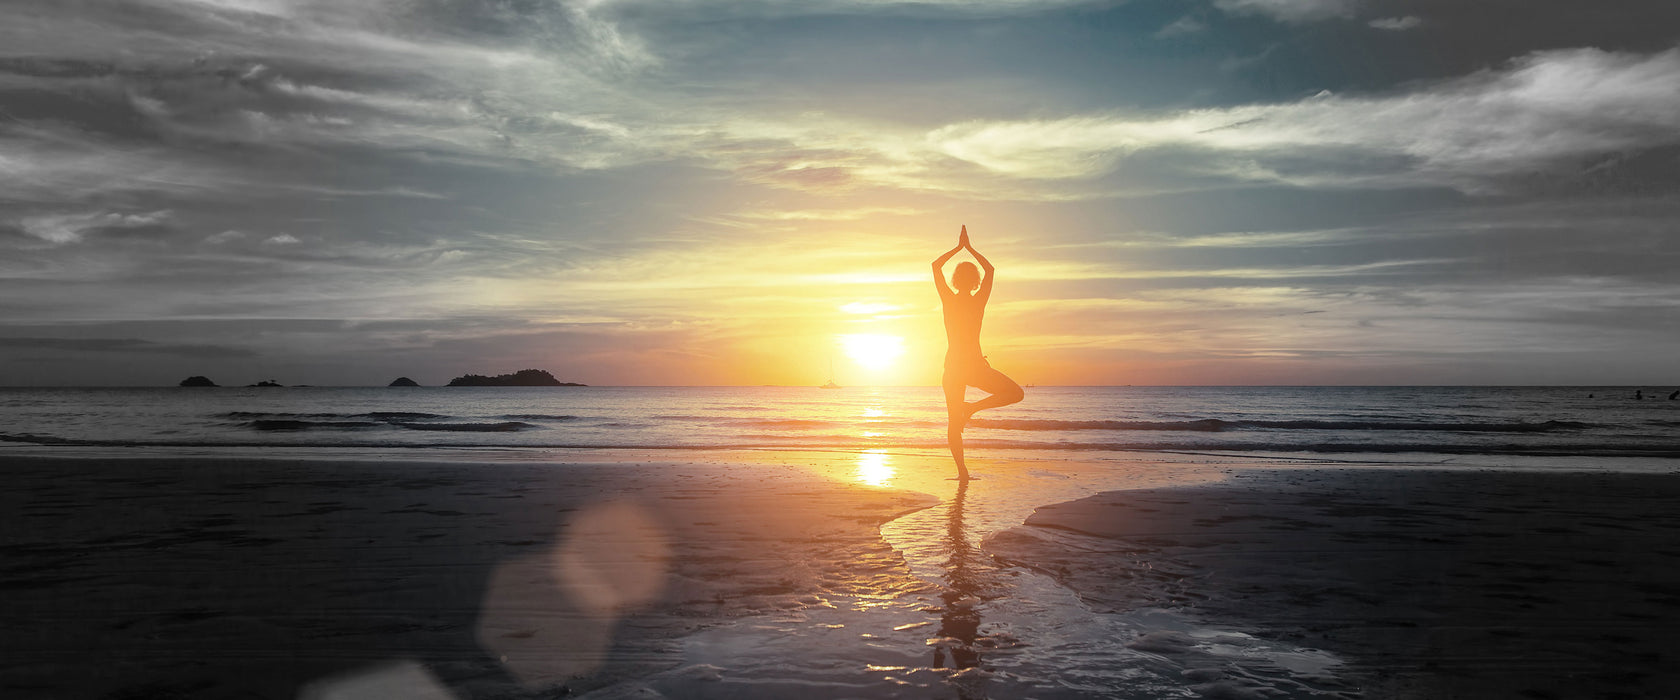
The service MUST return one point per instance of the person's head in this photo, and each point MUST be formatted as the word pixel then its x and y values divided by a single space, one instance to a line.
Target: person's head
pixel 966 277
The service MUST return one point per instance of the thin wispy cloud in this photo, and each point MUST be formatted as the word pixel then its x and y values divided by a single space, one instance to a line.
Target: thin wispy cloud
pixel 1290 10
pixel 1543 111
pixel 1396 24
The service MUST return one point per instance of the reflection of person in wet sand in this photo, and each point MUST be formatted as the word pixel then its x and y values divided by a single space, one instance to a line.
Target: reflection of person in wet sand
pixel 964 365
pixel 961 619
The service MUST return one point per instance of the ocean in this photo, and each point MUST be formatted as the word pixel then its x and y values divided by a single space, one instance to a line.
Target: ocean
pixel 1605 422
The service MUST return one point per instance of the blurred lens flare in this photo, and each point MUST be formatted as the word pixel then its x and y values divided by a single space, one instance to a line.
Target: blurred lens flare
pixel 549 617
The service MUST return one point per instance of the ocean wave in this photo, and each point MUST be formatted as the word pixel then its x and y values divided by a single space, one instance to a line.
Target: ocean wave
pixel 1207 425
pixel 384 416
pixel 398 415
pixel 792 423
pixel 33 439
pixel 1617 449
pixel 265 415
pixel 503 427
pixel 293 424
pixel 536 416
pixel 1215 425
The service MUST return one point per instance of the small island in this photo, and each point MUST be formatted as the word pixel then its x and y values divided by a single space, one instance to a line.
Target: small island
pixel 403 381
pixel 198 380
pixel 524 377
pixel 266 384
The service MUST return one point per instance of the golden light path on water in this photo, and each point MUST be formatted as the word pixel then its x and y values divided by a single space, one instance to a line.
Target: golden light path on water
pixel 938 616
pixel 874 467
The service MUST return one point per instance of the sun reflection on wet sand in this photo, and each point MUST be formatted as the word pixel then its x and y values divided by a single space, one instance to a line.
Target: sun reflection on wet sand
pixel 931 612
pixel 874 467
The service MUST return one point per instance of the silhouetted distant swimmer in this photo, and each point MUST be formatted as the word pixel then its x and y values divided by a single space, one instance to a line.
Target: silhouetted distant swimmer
pixel 965 366
pixel 1639 395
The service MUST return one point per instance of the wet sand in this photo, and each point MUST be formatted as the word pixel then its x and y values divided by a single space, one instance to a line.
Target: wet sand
pixel 1431 584
pixel 829 574
pixel 221 578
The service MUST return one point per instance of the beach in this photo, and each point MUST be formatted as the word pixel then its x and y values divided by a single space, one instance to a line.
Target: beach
pixel 1430 583
pixel 254 578
pixel 833 574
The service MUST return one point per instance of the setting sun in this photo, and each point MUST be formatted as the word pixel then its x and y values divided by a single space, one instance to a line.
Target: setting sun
pixel 873 351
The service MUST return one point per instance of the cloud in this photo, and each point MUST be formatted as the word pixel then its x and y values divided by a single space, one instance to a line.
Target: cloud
pixel 718 9
pixel 1291 11
pixel 124 345
pixel 1543 111
pixel 1396 24
pixel 62 165
pixel 70 228
pixel 570 88
pixel 824 214
pixel 1182 26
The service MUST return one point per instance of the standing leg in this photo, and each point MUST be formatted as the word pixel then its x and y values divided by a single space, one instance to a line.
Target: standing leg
pixel 956 417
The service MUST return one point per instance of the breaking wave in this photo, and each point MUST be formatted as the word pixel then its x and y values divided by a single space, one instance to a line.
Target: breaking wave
pixel 1214 425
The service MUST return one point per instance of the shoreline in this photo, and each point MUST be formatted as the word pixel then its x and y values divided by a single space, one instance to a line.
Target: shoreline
pixel 1431 583
pixel 829 573
pixel 220 577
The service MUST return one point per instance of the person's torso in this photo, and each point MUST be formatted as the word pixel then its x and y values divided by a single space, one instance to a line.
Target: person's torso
pixel 963 315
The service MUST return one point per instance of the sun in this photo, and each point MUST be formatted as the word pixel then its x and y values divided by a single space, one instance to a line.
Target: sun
pixel 873 351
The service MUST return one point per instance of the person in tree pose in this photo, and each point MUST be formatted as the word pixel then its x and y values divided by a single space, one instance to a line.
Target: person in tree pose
pixel 965 366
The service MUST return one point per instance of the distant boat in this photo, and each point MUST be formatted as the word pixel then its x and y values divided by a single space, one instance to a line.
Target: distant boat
pixel 831 384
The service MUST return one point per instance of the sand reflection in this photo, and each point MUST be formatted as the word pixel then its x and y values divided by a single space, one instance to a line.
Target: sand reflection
pixel 874 467
pixel 960 622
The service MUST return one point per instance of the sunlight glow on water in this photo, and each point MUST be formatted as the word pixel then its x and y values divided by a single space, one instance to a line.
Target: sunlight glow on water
pixel 1602 421
pixel 955 622
pixel 874 467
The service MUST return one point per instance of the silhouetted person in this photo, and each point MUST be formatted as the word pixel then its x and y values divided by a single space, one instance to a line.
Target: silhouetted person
pixel 1639 395
pixel 964 365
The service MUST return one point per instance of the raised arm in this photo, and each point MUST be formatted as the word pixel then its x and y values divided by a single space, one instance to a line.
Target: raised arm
pixel 985 291
pixel 939 272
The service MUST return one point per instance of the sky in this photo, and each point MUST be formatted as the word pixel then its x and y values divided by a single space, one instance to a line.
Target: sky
pixel 676 192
